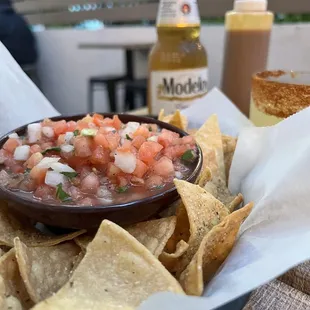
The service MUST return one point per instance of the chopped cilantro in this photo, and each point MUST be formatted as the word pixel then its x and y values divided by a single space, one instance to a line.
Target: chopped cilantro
pixel 89 132
pixel 61 194
pixel 52 149
pixel 27 170
pixel 128 138
pixel 76 132
pixel 122 189
pixel 159 186
pixel 70 175
pixel 150 129
pixel 188 155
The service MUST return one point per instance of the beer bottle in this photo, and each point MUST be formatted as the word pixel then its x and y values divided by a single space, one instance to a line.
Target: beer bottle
pixel 178 64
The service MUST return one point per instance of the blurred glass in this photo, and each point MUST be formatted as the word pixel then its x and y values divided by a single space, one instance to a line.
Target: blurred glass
pixel 277 95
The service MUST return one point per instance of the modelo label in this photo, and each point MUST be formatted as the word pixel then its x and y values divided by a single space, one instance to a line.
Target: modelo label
pixel 172 90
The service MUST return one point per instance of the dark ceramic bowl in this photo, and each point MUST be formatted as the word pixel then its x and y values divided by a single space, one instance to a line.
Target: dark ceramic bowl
pixel 77 217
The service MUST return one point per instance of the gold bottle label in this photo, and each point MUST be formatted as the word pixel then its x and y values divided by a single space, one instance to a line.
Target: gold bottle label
pixel 172 90
pixel 178 13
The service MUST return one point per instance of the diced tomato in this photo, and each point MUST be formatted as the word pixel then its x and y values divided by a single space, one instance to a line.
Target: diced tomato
pixel 164 167
pixel 47 123
pixel 11 144
pixel 83 147
pixel 84 171
pixel 113 139
pixel 110 140
pixel 100 156
pixel 87 119
pixel 126 146
pixel 60 127
pixel 90 184
pixel 138 141
pixel 38 175
pixel 81 125
pixel 77 162
pixel 75 193
pixel 71 126
pixel 122 181
pixel 107 122
pixel 116 122
pixel 61 140
pixel 152 128
pixel 97 119
pixel 44 192
pixel 141 169
pixel 34 160
pixel 35 148
pixel 4 155
pixel 112 171
pixel 153 181
pixel 166 137
pixel 184 140
pixel 176 151
pixel 13 165
pixel 148 151
pixel 142 131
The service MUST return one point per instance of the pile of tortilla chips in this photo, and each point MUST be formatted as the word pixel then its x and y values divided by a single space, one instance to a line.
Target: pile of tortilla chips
pixel 119 268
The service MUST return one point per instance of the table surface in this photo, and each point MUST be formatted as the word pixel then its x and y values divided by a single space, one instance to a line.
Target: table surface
pixel 126 46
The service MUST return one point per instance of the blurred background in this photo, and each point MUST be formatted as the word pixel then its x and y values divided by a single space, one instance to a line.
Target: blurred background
pixel 81 43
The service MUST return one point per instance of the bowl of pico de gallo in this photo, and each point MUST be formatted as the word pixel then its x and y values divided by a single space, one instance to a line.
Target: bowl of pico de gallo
pixel 75 171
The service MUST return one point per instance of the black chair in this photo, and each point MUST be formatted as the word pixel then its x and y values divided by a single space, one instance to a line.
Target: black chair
pixel 110 82
pixel 132 87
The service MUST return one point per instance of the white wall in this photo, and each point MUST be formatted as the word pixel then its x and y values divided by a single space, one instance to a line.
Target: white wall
pixel 64 69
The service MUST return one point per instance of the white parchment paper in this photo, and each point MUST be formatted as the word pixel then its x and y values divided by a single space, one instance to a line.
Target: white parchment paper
pixel 271 167
pixel 21 102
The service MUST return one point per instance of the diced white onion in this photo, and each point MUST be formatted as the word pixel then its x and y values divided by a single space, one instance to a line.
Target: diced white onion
pixel 126 161
pixel 46 162
pixel 104 195
pixel 14 135
pixel 67 148
pixel 130 128
pixel 109 129
pixel 153 138
pixel 59 167
pixel 54 178
pixel 22 152
pixel 34 132
pixel 48 132
pixel 68 137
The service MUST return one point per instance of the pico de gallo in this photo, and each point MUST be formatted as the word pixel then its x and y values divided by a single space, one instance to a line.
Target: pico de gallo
pixel 94 161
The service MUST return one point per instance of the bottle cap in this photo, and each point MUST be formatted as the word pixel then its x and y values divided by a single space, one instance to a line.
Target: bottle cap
pixel 250 5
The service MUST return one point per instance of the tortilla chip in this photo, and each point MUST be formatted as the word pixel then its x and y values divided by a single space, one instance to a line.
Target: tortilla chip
pixel 155 234
pixel 218 188
pixel 45 269
pixel 117 272
pixel 203 212
pixel 176 119
pixel 161 115
pixel 12 288
pixel 84 240
pixel 209 138
pixel 169 259
pixel 212 252
pixel 229 147
pixel 15 225
pixel 235 203
pixel 204 177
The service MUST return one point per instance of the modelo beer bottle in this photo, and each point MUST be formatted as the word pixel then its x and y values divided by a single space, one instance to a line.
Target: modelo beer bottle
pixel 178 62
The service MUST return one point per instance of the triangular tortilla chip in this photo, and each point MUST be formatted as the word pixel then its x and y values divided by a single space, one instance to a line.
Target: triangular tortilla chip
pixel 84 240
pixel 192 131
pixel 229 147
pixel 235 203
pixel 212 252
pixel 204 177
pixel 161 115
pixel 155 234
pixel 12 288
pixel 177 119
pixel 117 272
pixel 45 269
pixel 15 225
pixel 203 212
pixel 209 138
